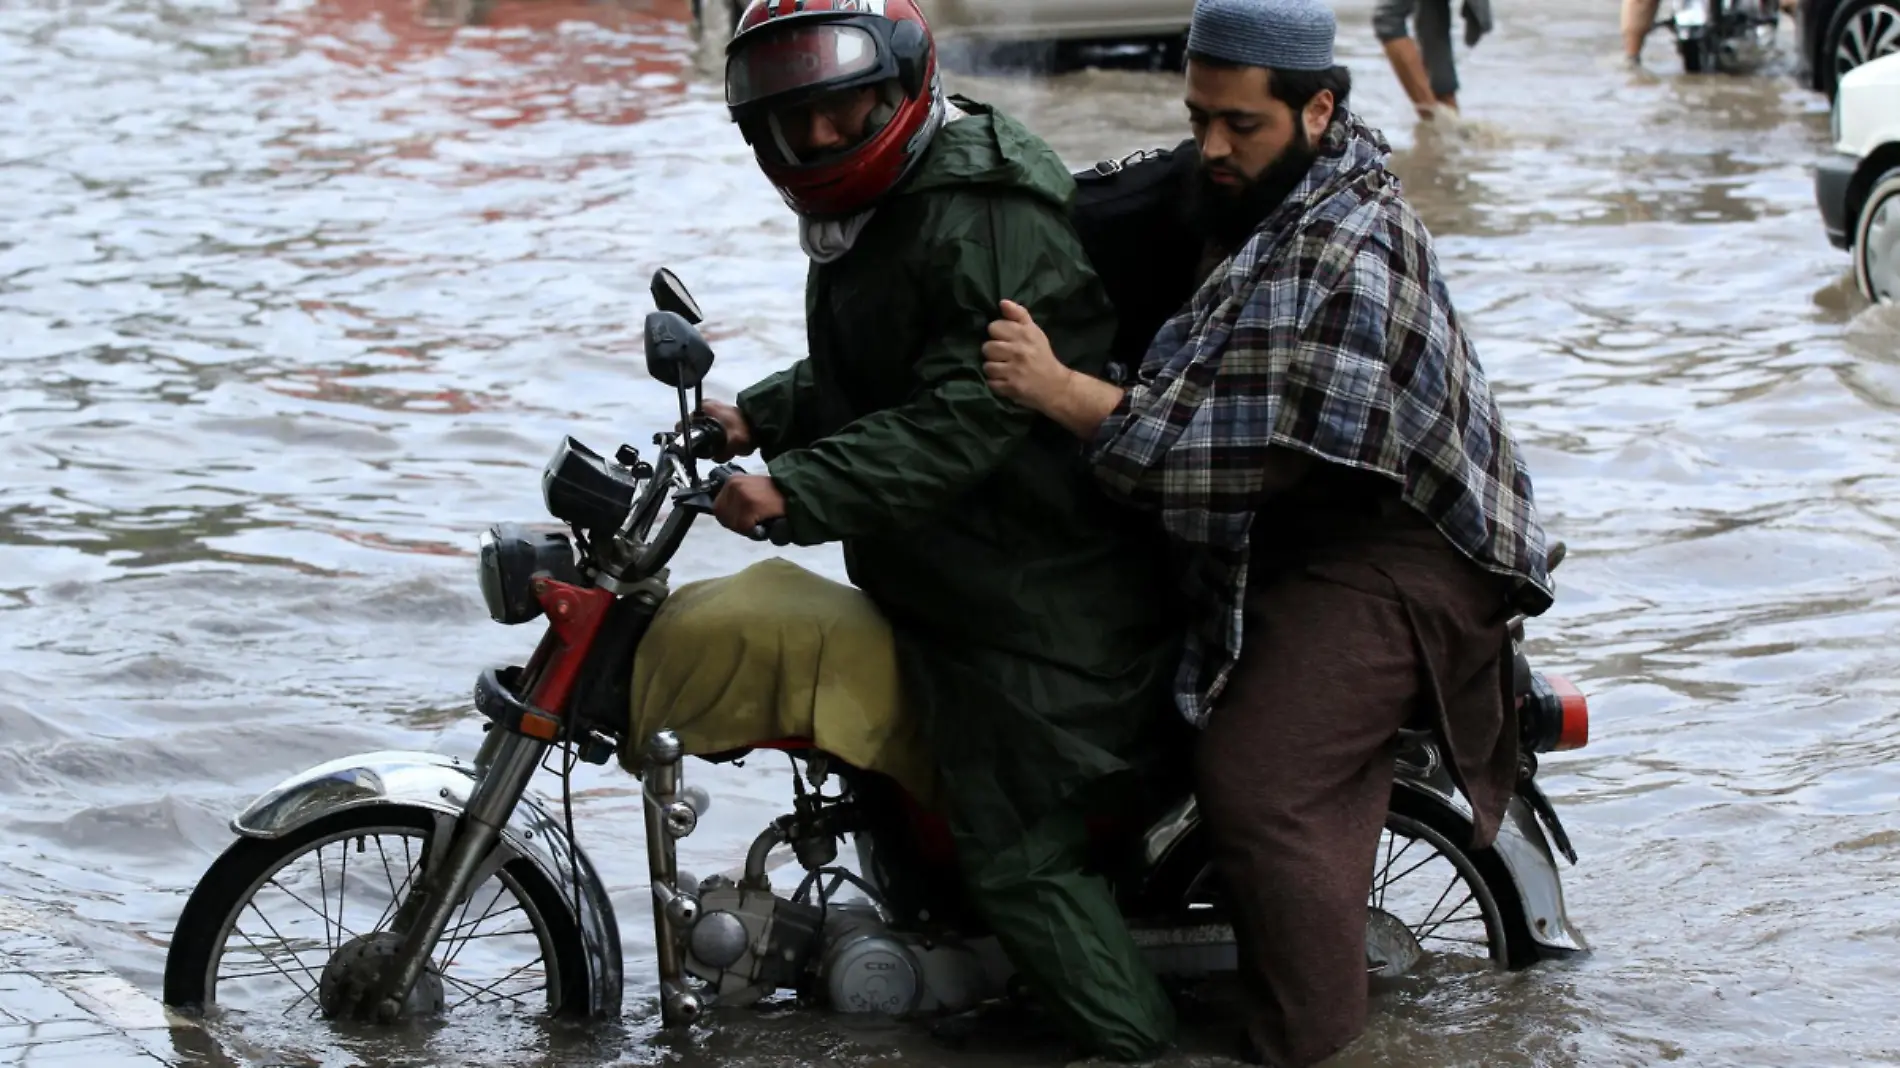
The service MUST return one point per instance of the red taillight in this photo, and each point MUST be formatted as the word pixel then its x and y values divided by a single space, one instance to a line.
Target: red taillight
pixel 1574 711
pixel 1554 715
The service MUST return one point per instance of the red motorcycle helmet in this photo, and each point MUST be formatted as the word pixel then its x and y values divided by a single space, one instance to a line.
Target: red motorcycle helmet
pixel 786 53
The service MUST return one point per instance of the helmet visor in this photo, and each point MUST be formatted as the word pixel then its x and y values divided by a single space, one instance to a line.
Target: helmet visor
pixel 798 59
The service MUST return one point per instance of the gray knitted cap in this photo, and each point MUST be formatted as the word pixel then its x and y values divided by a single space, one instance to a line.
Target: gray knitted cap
pixel 1280 34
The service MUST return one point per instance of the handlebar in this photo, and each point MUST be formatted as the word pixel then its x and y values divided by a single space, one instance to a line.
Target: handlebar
pixel 777 531
pixel 703 438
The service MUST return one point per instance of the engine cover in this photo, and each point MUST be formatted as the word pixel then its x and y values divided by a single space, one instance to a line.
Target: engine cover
pixel 868 971
pixel 748 943
pixel 869 968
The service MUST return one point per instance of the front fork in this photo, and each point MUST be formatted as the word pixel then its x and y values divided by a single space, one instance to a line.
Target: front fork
pixel 670 816
pixel 503 768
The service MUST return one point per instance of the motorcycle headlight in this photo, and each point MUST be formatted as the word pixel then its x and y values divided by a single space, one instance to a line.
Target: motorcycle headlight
pixel 1692 13
pixel 511 557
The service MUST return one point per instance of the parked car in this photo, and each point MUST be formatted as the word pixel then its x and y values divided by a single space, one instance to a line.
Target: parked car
pixel 1858 186
pixel 1835 36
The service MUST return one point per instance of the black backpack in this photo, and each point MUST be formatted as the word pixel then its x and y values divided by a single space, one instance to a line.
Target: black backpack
pixel 1132 217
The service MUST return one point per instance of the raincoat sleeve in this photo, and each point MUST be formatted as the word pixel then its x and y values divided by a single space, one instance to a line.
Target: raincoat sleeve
pixel 780 409
pixel 894 469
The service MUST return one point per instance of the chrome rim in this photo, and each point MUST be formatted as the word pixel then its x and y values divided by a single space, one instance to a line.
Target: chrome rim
pixel 1428 908
pixel 273 948
pixel 1880 250
pixel 1870 33
pixel 1432 890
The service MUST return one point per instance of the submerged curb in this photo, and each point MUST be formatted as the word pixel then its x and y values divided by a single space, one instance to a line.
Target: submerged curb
pixel 60 1006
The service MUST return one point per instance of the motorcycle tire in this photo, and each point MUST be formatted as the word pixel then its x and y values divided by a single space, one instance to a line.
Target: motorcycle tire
pixel 1493 880
pixel 1698 57
pixel 1508 938
pixel 235 877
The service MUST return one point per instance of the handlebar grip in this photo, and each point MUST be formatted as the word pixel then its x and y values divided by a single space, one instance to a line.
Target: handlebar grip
pixel 777 531
pixel 707 436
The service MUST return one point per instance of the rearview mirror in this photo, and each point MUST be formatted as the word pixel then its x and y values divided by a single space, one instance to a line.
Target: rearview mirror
pixel 676 354
pixel 670 295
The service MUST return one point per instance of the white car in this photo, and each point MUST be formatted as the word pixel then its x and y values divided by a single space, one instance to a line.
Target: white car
pixel 1858 187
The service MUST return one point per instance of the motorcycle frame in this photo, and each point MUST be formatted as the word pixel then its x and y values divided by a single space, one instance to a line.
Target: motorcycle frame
pixel 487 818
pixel 1521 846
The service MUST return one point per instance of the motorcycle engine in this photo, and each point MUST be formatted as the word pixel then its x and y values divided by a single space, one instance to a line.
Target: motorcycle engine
pixel 748 943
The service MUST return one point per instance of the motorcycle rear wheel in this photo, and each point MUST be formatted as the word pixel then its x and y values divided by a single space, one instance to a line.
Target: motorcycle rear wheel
pixel 232 884
pixel 1480 927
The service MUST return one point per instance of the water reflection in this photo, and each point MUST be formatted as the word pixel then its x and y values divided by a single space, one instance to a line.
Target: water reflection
pixel 501 63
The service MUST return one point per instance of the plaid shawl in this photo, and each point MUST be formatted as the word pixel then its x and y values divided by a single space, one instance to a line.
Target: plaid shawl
pixel 1332 333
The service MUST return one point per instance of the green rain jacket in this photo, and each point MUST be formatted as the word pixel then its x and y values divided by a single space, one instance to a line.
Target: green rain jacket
pixel 1033 617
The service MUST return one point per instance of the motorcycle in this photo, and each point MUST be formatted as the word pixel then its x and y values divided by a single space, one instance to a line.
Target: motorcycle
pixel 1714 35
pixel 442 846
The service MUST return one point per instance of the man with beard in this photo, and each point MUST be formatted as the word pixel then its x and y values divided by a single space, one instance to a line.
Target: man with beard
pixel 1318 436
pixel 1023 601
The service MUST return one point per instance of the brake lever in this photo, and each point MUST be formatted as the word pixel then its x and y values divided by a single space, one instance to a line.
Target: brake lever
pixel 700 499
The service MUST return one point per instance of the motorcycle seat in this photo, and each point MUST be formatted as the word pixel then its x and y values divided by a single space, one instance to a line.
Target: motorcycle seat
pixel 770 656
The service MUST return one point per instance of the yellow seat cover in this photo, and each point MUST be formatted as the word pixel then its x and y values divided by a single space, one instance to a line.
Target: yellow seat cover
pixel 774 652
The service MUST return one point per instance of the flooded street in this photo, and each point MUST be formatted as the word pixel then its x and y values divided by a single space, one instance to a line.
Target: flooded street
pixel 297 298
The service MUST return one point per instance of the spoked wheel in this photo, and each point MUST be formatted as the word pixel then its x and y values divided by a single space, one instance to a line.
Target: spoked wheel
pixel 286 927
pixel 1429 900
pixel 1432 905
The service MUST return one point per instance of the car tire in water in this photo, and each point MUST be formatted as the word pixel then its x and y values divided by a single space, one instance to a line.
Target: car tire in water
pixel 1860 30
pixel 233 880
pixel 1877 241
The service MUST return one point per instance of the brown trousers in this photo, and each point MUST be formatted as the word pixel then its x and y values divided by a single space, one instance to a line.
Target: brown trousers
pixel 1350 635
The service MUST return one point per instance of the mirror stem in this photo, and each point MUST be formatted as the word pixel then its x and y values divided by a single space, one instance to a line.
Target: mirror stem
pixel 686 428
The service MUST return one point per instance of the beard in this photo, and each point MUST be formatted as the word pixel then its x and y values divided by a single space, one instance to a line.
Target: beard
pixel 1227 215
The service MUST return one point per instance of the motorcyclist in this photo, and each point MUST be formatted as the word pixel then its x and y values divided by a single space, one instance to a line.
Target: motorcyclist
pixel 1033 634
pixel 1315 429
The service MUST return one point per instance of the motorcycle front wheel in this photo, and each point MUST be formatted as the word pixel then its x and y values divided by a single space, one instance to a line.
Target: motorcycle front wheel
pixel 281 926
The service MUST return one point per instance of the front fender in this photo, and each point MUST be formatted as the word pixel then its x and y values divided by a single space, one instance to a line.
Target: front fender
pixel 443 784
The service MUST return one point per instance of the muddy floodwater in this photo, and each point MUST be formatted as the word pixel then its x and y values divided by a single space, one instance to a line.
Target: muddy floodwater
pixel 296 298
